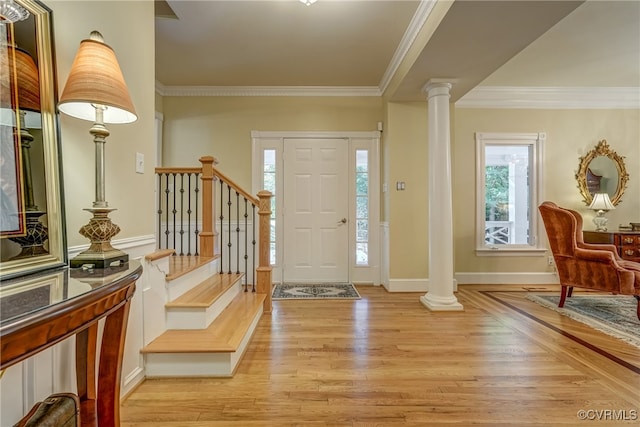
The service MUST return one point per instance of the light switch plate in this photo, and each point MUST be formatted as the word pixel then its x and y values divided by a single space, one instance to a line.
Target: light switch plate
pixel 139 163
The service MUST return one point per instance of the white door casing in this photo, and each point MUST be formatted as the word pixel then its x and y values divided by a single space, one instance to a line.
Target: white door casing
pixel 274 142
pixel 315 214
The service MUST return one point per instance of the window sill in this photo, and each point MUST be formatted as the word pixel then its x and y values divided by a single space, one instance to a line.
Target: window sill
pixel 511 251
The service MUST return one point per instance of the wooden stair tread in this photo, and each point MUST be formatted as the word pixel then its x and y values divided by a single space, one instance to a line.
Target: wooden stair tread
pixel 181 265
pixel 224 334
pixel 205 293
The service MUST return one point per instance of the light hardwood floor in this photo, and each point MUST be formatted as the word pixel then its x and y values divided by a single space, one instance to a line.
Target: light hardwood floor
pixel 386 360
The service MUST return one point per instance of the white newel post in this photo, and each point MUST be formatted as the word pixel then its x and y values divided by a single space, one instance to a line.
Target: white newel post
pixel 440 296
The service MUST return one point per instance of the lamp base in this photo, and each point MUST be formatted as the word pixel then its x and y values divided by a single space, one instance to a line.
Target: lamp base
pixel 99 231
pixel 32 243
pixel 600 221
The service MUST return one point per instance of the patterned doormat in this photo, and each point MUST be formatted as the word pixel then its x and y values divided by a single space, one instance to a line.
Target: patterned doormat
pixel 614 315
pixel 283 291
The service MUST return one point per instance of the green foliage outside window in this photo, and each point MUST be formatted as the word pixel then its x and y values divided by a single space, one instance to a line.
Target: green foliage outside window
pixel 497 193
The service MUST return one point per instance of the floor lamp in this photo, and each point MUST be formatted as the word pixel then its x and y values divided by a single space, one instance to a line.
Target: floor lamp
pixel 96 91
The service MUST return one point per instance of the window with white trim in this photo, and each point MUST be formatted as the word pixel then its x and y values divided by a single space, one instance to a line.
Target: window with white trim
pixel 509 173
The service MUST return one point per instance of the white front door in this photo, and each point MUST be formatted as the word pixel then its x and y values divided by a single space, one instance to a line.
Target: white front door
pixel 315 225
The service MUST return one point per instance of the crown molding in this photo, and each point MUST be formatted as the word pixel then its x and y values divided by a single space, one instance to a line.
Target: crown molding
pixel 551 97
pixel 480 97
pixel 417 22
pixel 267 90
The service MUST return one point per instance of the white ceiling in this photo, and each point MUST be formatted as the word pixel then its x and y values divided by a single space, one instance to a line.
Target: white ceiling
pixel 362 43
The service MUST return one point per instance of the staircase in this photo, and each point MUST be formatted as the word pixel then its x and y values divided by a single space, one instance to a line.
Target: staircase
pixel 201 310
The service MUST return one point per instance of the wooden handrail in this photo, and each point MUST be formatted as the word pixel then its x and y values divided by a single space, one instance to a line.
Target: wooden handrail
pixel 178 170
pixel 235 186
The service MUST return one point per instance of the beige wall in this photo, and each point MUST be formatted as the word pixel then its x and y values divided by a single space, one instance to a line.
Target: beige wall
pixel 570 134
pixel 128 27
pixel 405 148
pixel 221 126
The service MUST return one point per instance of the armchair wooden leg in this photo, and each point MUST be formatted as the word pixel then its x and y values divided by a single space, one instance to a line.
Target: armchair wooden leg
pixel 570 292
pixel 563 295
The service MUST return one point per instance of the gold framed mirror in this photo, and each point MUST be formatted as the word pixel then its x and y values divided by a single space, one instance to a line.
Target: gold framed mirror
pixel 32 231
pixel 602 170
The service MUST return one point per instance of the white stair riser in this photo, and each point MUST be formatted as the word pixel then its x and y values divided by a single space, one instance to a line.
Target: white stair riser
pixel 179 286
pixel 198 364
pixel 200 318
pixel 188 365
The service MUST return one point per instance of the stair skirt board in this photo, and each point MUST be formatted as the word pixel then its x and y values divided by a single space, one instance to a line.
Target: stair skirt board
pixel 201 318
pixel 221 364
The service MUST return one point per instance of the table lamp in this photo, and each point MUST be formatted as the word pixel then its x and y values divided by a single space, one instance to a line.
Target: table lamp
pixel 601 204
pixel 96 91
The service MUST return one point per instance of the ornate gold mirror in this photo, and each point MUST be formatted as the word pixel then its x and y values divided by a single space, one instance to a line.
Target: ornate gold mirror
pixel 602 170
pixel 32 235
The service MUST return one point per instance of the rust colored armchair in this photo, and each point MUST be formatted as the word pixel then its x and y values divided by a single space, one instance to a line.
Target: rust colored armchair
pixel 586 265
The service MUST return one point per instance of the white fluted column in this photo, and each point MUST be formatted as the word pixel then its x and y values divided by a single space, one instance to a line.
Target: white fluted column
pixel 440 296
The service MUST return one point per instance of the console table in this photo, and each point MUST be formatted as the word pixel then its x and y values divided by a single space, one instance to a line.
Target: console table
pixel 40 310
pixel 627 242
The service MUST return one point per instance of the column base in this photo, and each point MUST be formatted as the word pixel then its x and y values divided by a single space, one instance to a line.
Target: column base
pixel 437 303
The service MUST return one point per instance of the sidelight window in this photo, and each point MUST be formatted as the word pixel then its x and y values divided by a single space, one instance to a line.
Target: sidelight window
pixel 269 184
pixel 362 207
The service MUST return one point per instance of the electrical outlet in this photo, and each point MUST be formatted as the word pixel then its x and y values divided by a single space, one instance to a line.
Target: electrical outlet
pixel 550 260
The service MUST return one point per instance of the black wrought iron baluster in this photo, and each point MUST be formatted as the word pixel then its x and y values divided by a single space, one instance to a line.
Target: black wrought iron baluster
pixel 189 175
pixel 166 217
pixel 174 211
pixel 229 244
pixel 196 231
pixel 159 212
pixel 181 214
pixel 237 233
pixel 221 225
pixel 246 232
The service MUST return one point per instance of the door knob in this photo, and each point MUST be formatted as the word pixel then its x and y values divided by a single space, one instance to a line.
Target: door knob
pixel 343 220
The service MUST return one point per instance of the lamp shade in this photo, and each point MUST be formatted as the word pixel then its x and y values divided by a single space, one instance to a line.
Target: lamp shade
pixel 96 78
pixel 20 74
pixel 601 202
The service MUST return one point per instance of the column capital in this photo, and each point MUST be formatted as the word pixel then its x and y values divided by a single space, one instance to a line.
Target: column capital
pixel 445 85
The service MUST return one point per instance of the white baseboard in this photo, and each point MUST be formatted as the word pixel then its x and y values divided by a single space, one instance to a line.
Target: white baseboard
pixel 407 285
pixel 507 278
pixel 131 381
pixel 422 285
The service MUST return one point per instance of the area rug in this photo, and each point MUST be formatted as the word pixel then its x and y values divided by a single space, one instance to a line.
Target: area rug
pixel 614 315
pixel 283 291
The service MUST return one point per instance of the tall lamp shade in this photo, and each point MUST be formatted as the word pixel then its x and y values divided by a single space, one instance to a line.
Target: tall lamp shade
pixel 96 91
pixel 96 78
